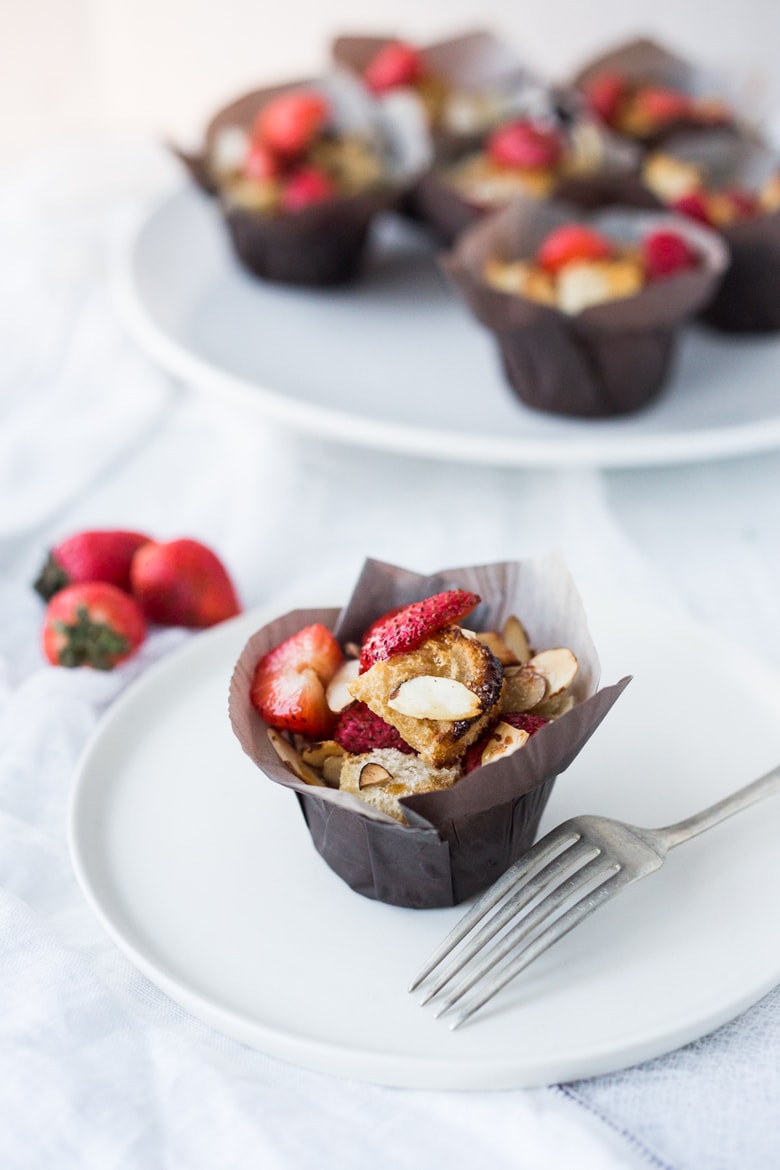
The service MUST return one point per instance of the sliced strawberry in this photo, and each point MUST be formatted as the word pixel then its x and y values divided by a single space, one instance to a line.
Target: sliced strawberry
pixel 403 629
pixel 744 203
pixel 694 205
pixel 524 144
pixel 306 187
pixel 96 555
pixel 261 164
pixel 359 730
pixel 659 104
pixel 665 252
pixel 395 65
pixel 92 624
pixel 288 125
pixel 520 719
pixel 572 242
pixel 288 688
pixel 605 94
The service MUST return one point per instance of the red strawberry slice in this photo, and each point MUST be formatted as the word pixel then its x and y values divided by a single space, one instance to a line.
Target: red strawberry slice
pixel 395 65
pixel 97 555
pixel 288 688
pixel 358 730
pixel 572 242
pixel 744 203
pixel 520 719
pixel 659 104
pixel 605 94
pixel 182 583
pixel 288 124
pixel 261 164
pixel 694 205
pixel 404 629
pixel 665 253
pixel 92 624
pixel 523 144
pixel 305 187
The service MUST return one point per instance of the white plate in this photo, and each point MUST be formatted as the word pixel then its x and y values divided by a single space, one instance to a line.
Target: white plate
pixel 203 873
pixel 396 362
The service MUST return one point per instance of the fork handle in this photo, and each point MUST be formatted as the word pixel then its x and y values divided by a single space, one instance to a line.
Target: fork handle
pixel 767 785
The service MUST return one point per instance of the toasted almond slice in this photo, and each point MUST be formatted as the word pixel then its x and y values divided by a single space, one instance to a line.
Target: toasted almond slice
pixel 497 646
pixel 352 650
pixel 524 688
pixel 432 696
pixel 371 774
pixel 504 740
pixel 331 769
pixel 317 753
pixel 336 694
pixel 516 638
pixel 558 668
pixel 555 706
pixel 292 761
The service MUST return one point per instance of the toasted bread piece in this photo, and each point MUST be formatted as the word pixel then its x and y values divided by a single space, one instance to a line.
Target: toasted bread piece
pixel 385 775
pixel 450 654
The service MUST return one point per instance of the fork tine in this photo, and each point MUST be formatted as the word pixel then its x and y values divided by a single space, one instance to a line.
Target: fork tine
pixel 583 879
pixel 613 883
pixel 548 876
pixel 538 855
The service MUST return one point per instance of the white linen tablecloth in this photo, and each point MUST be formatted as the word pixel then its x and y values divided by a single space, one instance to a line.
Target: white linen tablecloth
pixel 98 1069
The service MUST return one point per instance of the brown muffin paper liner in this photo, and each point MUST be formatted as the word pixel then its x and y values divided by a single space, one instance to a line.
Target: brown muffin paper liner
pixel 458 840
pixel 643 60
pixel 748 298
pixel 323 244
pixel 611 359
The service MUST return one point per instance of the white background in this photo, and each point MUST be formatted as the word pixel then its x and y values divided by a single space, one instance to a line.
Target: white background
pixel 72 66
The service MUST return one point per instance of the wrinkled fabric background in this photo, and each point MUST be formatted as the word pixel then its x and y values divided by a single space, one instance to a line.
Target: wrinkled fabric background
pixel 97 1067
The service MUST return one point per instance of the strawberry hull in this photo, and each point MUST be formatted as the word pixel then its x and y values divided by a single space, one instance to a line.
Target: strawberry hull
pixel 458 840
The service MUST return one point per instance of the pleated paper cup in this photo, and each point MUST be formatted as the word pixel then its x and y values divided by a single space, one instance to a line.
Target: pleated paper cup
pixel 611 359
pixel 457 840
pixel 748 297
pixel 325 243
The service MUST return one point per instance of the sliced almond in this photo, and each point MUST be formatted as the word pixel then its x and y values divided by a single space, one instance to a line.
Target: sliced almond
pixel 524 688
pixel 555 706
pixel 317 753
pixel 504 740
pixel 432 696
pixel 558 667
pixel 497 646
pixel 292 761
pixel 336 694
pixel 371 774
pixel 516 638
pixel 352 650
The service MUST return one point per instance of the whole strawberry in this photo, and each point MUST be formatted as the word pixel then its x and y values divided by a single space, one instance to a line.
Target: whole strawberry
pixel 92 624
pixel 98 555
pixel 182 583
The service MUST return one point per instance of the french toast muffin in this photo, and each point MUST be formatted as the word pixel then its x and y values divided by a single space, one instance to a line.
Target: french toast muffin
pixel 422 726
pixel 585 310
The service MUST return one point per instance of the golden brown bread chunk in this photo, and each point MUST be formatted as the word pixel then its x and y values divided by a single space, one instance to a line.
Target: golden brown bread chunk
pixel 449 654
pixel 394 776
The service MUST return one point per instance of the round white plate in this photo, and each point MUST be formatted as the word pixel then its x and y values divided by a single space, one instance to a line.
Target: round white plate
pixel 396 362
pixel 203 873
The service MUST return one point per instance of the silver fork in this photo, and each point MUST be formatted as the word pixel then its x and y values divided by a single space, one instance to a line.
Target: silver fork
pixel 557 884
